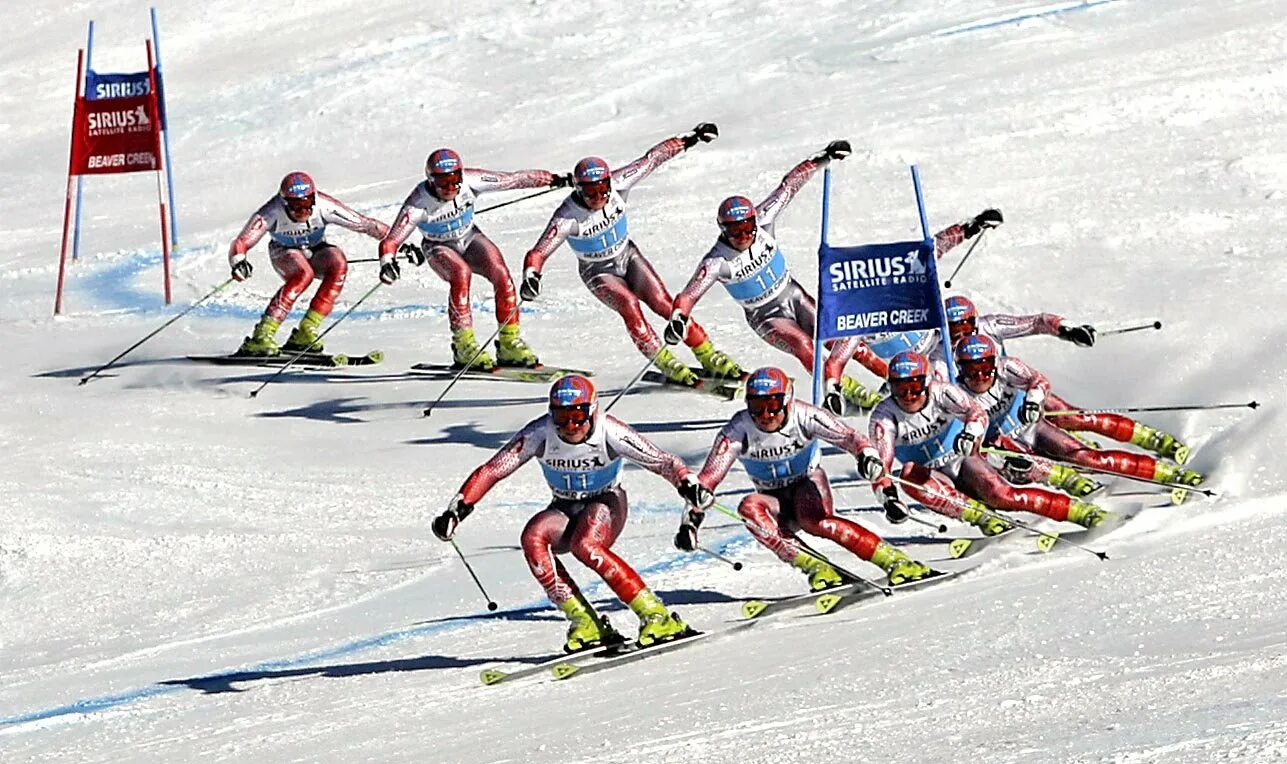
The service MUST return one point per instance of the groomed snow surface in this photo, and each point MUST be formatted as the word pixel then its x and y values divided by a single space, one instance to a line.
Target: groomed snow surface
pixel 188 574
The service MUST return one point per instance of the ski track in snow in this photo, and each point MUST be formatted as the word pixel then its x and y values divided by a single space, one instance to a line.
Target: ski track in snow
pixel 193 574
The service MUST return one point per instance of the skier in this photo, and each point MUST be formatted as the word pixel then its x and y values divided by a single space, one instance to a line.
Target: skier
pixel 776 439
pixel 594 223
pixel 580 451
pixel 1012 394
pixel 295 220
pixel 935 429
pixel 963 319
pixel 442 207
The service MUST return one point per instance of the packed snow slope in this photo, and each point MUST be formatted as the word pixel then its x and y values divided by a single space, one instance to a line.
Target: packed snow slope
pixel 188 573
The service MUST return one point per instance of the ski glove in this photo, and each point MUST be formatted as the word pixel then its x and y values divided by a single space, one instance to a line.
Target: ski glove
pixel 415 255
pixel 676 328
pixel 1031 412
pixel 242 269
pixel 870 466
pixel 965 443
pixel 696 494
pixel 1083 335
pixel 530 289
pixel 834 401
pixel 389 271
pixel 834 150
pixel 444 525
pixel 895 508
pixel 989 218
pixel 704 132
pixel 561 181
pixel 686 538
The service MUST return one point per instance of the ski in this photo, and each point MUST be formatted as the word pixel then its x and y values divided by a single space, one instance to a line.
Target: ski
pixel 1085 535
pixel 721 387
pixel 757 609
pixel 538 374
pixel 964 547
pixel 832 600
pixel 496 676
pixel 631 652
pixel 324 360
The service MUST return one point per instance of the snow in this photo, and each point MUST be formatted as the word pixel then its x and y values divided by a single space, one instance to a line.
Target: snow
pixel 187 573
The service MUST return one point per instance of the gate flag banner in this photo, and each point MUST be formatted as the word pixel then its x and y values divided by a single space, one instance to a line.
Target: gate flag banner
pixel 116 135
pixel 102 86
pixel 877 288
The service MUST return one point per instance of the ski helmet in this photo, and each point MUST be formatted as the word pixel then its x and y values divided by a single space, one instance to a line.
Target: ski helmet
pixel 976 359
pixel 909 374
pixel 443 162
pixel 962 317
pixel 299 195
pixel 769 392
pixel 590 171
pixel 574 405
pixel 737 218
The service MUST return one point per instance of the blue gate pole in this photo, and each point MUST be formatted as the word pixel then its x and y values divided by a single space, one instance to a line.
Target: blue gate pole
pixel 80 179
pixel 817 324
pixel 943 334
pixel 165 135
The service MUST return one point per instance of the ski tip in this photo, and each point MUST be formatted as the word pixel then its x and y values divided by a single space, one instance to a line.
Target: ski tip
pixel 959 548
pixel 339 359
pixel 753 608
pixel 1047 542
pixel 492 676
pixel 375 356
pixel 827 602
pixel 563 670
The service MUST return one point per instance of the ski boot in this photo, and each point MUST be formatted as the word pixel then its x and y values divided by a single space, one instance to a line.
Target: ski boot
pixel 821 575
pixel 978 515
pixel 262 340
pixel 655 623
pixel 716 363
pixel 1161 443
pixel 511 350
pixel 1071 481
pixel 304 337
pixel 897 565
pixel 862 397
pixel 1086 515
pixel 588 629
pixel 674 370
pixel 1173 473
pixel 466 352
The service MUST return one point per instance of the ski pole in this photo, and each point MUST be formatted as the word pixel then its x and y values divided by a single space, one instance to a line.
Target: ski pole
pixel 155 332
pixel 991 513
pixel 948 284
pixel 407 257
pixel 491 604
pixel 516 201
pixel 1072 465
pixel 470 365
pixel 885 590
pixel 1139 409
pixel 632 382
pixel 940 527
pixel 1124 330
pixel 304 352
pixel 734 563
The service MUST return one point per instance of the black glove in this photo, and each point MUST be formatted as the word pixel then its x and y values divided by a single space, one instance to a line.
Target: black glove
pixel 989 218
pixel 444 525
pixel 870 467
pixel 1017 470
pixel 965 443
pixel 676 329
pixel 696 494
pixel 390 271
pixel 242 269
pixel 686 538
pixel 834 400
pixel 530 289
pixel 1031 412
pixel 704 132
pixel 834 150
pixel 561 181
pixel 414 254
pixel 1083 335
pixel 895 508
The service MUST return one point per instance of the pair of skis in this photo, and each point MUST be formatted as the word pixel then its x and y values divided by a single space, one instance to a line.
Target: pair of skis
pixel 307 360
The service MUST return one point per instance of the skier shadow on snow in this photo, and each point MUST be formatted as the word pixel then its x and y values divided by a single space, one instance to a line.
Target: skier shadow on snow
pixel 470 433
pixel 672 597
pixel 81 371
pixel 346 410
pixel 220 683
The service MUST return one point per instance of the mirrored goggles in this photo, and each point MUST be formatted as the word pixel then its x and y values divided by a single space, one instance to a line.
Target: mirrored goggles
pixel 765 405
pixel 739 229
pixel 572 416
pixel 908 388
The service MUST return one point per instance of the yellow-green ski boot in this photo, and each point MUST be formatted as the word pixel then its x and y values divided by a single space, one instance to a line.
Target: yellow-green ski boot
pixel 862 397
pixel 716 363
pixel 821 575
pixel 587 629
pixel 304 336
pixel 978 515
pixel 656 624
pixel 1165 472
pixel 466 352
pixel 1163 444
pixel 897 565
pixel 1086 515
pixel 263 340
pixel 1071 481
pixel 511 350
pixel 674 370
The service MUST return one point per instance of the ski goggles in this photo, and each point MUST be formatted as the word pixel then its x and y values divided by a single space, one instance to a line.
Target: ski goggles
pixel 448 180
pixel 908 389
pixel 571 416
pixel 982 370
pixel 738 229
pixel 762 406
pixel 958 329
pixel 597 190
pixel 301 206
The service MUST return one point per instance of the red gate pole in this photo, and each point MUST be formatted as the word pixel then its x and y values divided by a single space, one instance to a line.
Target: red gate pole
pixel 160 168
pixel 71 155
